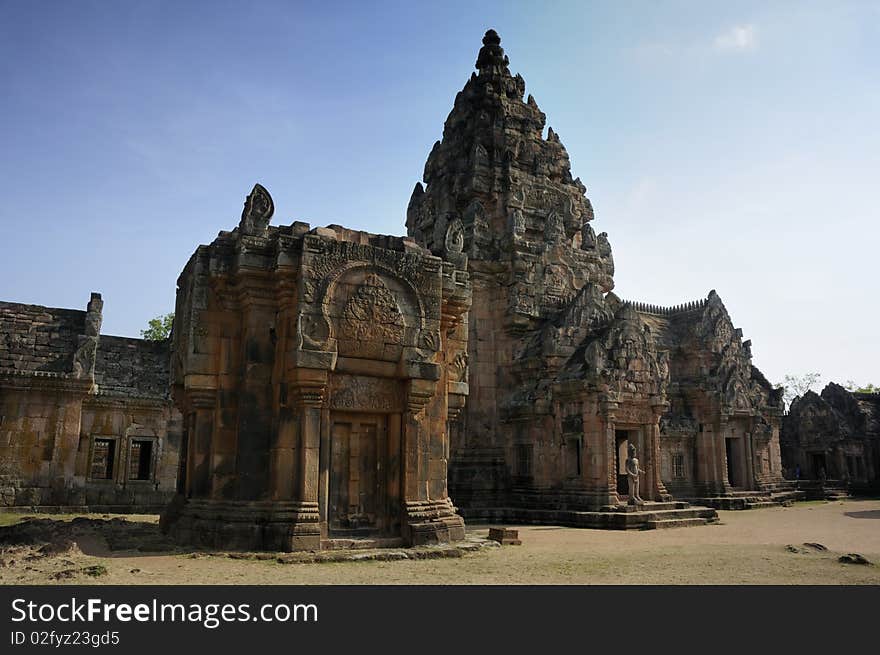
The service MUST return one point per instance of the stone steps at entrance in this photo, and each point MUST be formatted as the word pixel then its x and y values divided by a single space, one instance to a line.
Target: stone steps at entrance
pixel 675 514
pixel 727 502
pixel 675 523
pixel 649 506
pixel 786 496
pixel 760 504
pixel 346 543
pixel 737 500
pixel 617 518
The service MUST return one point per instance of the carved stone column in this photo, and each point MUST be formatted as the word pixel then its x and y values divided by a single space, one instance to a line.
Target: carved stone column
pixel 202 403
pixel 750 473
pixel 720 460
pixel 428 520
pixel 307 394
pixel 655 484
pixel 609 445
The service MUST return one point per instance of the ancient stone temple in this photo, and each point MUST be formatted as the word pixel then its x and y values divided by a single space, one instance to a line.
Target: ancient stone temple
pixel 317 371
pixel 320 375
pixel 86 422
pixel 834 436
pixel 564 375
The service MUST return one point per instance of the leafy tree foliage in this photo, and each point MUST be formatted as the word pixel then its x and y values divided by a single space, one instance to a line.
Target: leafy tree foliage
pixel 855 388
pixel 795 386
pixel 159 328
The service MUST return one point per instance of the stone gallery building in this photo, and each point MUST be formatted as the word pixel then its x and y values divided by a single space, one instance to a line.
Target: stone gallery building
pixel 335 384
pixel 835 436
pixel 86 421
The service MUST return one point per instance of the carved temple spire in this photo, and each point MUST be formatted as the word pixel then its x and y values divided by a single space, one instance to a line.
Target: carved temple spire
pixel 510 187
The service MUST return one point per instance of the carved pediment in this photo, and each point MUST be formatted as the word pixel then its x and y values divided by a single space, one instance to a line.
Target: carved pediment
pixel 372 314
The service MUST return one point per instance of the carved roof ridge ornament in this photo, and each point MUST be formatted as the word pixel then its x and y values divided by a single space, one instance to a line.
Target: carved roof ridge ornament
pixel 258 210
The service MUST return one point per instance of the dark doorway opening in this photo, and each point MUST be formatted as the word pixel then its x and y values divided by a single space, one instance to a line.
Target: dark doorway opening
pixel 103 456
pixel 140 460
pixel 818 462
pixel 732 463
pixel 621 447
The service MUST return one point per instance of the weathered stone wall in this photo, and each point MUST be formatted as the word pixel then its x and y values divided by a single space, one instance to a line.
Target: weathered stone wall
pixel 39 430
pixel 129 421
pixel 133 367
pixel 61 388
pixel 35 338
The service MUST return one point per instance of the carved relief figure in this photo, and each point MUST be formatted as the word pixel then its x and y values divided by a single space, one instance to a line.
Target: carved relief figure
pixel 372 314
pixel 554 230
pixel 454 241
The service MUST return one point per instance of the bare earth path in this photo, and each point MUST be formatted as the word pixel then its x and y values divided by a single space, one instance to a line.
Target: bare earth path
pixel 747 547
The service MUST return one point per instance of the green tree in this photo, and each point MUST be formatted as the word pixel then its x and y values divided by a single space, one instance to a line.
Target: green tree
pixel 159 328
pixel 855 388
pixel 795 386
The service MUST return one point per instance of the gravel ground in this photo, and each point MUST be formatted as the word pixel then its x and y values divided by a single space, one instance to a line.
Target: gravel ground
pixel 763 546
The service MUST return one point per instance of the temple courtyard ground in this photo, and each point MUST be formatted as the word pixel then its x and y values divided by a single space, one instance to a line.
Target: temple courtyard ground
pixel 801 544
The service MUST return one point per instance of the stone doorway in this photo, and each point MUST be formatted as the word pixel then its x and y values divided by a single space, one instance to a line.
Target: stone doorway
pixel 357 500
pixel 734 462
pixel 817 461
pixel 621 453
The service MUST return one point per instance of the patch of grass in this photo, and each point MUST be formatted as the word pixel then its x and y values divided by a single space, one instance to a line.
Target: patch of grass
pixel 9 518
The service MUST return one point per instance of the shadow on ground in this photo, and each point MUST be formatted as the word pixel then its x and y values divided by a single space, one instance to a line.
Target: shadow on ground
pixel 867 514
pixel 38 537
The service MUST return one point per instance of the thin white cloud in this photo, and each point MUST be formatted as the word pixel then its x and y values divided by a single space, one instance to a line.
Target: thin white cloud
pixel 739 38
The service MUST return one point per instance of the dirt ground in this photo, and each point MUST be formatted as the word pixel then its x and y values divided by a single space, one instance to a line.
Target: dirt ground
pixel 762 546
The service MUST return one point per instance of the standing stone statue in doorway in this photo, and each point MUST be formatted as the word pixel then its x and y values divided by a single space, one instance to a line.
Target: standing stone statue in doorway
pixel 632 472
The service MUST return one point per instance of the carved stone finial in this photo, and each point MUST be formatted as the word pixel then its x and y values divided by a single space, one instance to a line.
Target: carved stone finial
pixel 491 54
pixel 258 210
pixel 87 342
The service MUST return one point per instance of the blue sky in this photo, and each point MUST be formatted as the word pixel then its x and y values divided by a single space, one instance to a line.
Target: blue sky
pixel 732 146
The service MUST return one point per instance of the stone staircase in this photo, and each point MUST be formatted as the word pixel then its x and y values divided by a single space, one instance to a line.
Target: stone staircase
pixel 735 500
pixel 362 543
pixel 672 514
pixel 823 490
pixel 647 516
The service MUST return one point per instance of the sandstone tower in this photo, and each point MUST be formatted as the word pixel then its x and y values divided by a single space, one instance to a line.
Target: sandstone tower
pixel 563 375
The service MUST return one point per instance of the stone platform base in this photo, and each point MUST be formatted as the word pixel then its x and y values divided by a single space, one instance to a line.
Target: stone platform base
pixel 243 525
pixel 83 509
pixel 646 516
pixel 294 526
pixel 384 553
